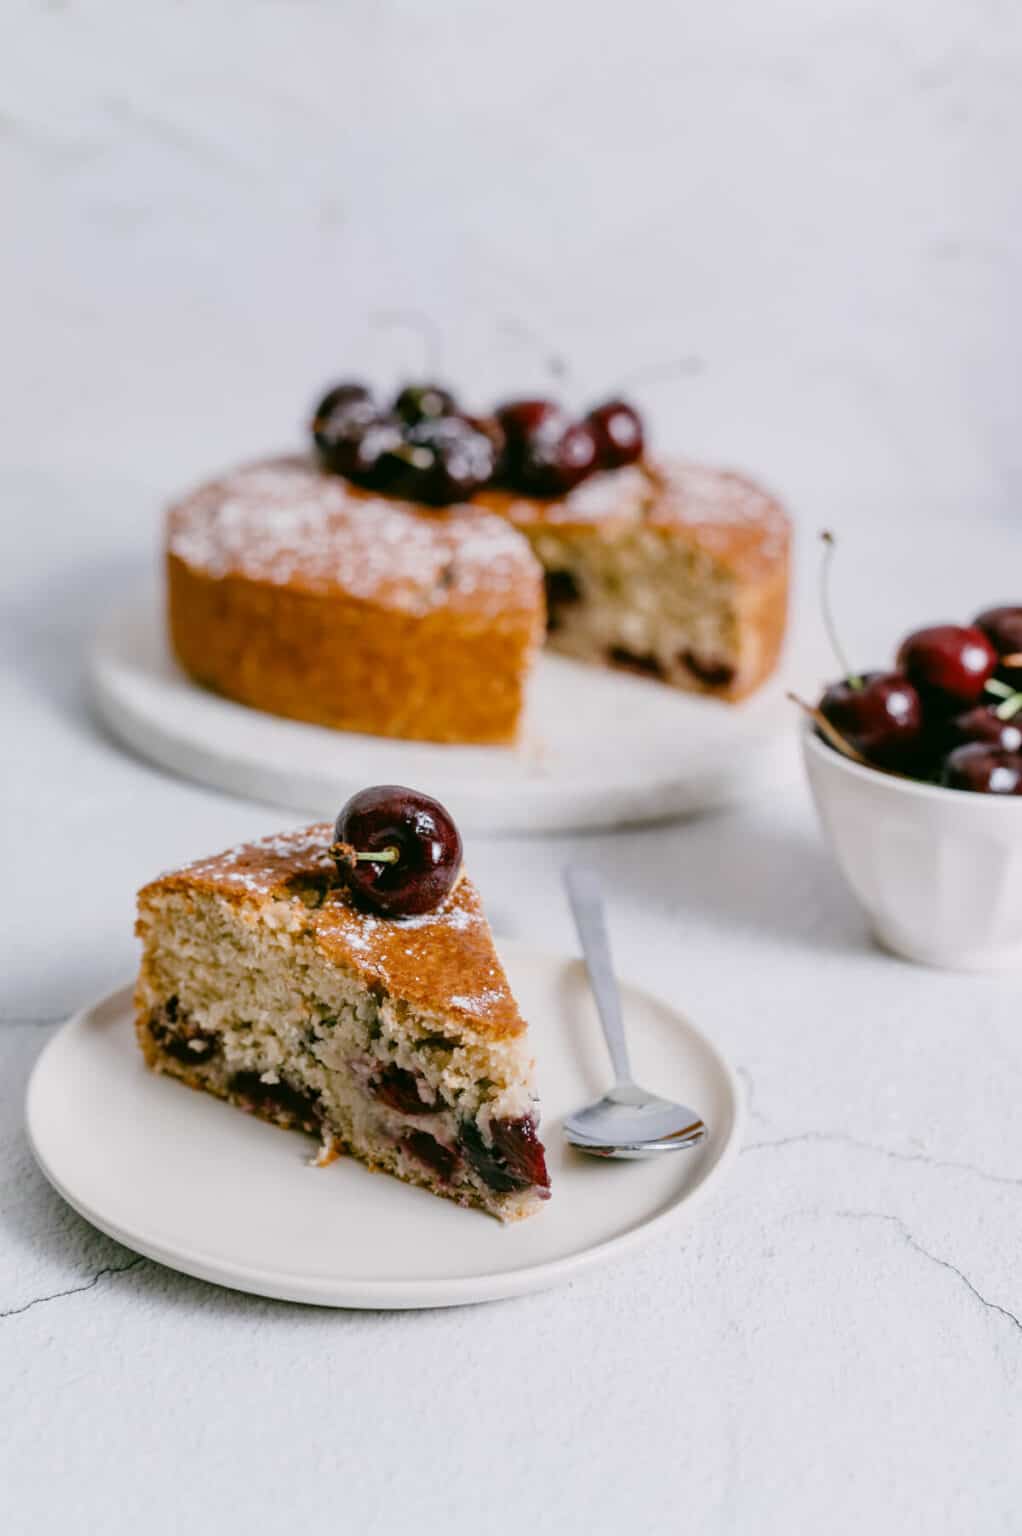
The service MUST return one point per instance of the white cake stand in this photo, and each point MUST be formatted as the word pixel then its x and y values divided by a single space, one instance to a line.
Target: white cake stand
pixel 600 748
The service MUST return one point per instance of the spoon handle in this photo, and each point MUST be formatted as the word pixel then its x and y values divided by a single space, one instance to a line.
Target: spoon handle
pixel 583 890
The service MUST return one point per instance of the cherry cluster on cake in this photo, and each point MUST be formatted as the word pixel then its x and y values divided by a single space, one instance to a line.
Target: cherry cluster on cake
pixel 949 712
pixel 423 447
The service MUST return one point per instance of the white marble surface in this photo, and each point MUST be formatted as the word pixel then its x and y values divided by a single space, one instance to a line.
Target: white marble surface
pixel 813 214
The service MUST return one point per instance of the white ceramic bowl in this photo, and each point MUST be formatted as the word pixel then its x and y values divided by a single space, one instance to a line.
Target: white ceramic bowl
pixel 938 871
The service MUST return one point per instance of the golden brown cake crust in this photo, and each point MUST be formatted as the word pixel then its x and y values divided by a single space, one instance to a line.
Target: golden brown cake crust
pixel 293 591
pixel 443 962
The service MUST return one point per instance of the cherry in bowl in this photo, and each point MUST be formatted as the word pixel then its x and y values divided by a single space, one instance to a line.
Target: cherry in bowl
pixel 985 723
pixel 983 770
pixel 949 663
pixel 1003 628
pixel 879 714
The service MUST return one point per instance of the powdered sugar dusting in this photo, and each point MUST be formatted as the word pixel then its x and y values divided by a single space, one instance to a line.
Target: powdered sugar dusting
pixel 728 515
pixel 713 510
pixel 457 918
pixel 479 1002
pixel 258 868
pixel 619 494
pixel 442 961
pixel 287 523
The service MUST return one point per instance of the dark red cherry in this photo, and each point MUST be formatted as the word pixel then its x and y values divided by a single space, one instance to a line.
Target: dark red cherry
pixel 491 428
pixel 424 402
pixel 547 452
pixel 983 770
pixel 617 427
pixel 1003 628
pixel 882 717
pixel 514 1159
pixel 368 460
pixel 419 843
pixel 294 1107
pixel 949 661
pixel 341 397
pixel 521 418
pixel 982 723
pixel 433 1154
pixel 441 461
pixel 399 1089
pixel 552 467
pixel 339 413
pixel 354 440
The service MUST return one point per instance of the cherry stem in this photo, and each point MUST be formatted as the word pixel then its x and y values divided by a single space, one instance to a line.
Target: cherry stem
pixel 343 853
pixel 832 734
pixel 829 545
pixel 1011 698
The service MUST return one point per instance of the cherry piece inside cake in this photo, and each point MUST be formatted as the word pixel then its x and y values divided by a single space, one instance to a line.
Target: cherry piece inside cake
pixel 265 982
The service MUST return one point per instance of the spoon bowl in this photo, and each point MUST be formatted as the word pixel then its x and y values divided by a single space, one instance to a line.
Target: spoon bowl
pixel 628 1121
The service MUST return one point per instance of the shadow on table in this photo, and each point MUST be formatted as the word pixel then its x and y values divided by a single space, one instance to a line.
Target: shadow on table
pixel 743 872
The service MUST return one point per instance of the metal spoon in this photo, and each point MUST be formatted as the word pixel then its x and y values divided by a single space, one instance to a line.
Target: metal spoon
pixel 627 1122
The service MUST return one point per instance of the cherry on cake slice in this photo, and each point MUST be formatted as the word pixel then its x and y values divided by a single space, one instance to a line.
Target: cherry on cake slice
pixel 344 982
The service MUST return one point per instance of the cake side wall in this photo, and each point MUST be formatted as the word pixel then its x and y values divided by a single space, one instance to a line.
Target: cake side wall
pixel 338 661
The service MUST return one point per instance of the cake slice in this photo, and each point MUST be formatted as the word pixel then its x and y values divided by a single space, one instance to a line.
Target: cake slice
pixel 395 1039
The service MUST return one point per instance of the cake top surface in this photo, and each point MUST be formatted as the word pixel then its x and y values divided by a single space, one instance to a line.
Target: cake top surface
pixel 443 962
pixel 287 523
pixel 720 512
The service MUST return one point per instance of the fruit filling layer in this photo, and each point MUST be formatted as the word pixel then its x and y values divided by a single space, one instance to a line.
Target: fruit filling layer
pixel 503 1153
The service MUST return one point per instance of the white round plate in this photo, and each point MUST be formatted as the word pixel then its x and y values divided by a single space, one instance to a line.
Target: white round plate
pixel 194 1183
pixel 599 748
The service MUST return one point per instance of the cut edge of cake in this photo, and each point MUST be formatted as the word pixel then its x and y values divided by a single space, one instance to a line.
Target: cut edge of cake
pixel 395 1040
pixel 676 572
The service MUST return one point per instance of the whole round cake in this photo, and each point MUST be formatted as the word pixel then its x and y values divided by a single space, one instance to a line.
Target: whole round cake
pixel 400 582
